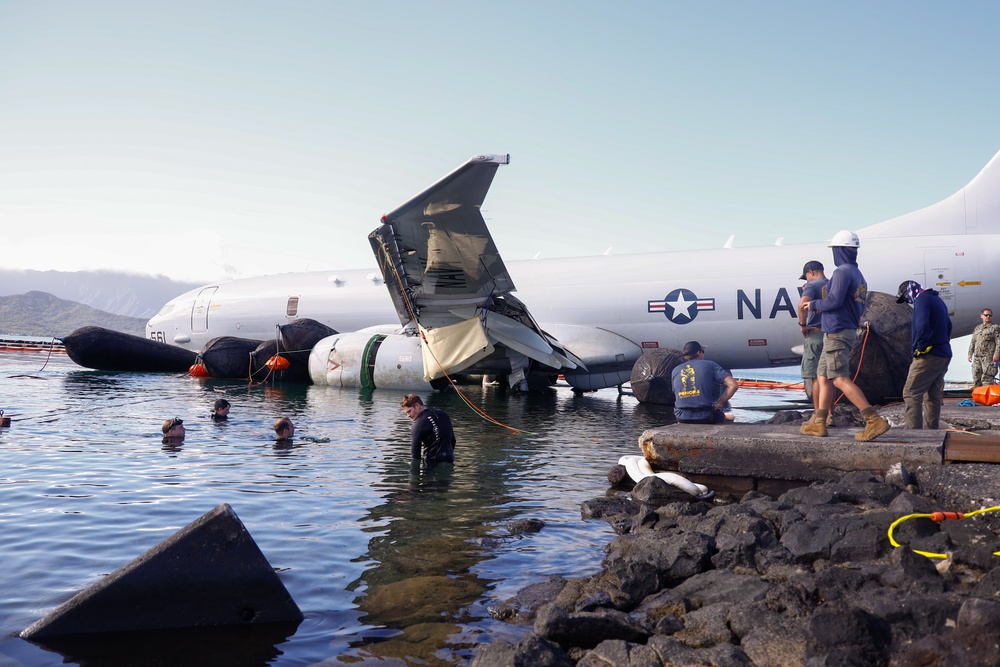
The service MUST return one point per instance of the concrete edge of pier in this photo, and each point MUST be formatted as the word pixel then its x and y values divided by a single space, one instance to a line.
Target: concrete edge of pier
pixel 771 458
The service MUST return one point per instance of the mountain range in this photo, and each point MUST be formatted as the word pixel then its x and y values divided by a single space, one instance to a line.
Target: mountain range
pixel 111 291
pixel 44 315
pixel 55 303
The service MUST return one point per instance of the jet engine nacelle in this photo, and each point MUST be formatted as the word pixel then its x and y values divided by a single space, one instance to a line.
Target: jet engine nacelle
pixel 367 359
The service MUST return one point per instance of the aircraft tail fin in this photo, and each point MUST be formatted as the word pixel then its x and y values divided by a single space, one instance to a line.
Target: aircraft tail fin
pixel 975 209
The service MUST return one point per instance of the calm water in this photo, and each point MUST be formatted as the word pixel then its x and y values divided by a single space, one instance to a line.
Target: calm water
pixel 389 564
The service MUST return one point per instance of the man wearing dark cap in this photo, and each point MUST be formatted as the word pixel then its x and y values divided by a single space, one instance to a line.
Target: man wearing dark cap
pixel 809 325
pixel 696 384
pixel 930 332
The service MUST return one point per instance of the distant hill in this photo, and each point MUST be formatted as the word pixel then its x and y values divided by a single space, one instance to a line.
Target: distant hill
pixel 111 291
pixel 45 315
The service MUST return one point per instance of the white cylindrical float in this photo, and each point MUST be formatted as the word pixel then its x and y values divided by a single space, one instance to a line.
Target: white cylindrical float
pixel 367 360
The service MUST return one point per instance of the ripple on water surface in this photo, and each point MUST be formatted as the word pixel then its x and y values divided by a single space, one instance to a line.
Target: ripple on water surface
pixel 384 559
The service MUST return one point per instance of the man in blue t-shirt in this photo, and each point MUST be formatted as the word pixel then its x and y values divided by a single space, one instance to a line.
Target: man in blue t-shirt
pixel 696 384
pixel 809 324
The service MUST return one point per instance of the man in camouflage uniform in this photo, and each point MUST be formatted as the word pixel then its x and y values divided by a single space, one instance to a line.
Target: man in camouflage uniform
pixel 984 350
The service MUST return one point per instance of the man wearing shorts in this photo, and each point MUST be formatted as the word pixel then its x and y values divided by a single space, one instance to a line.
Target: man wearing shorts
pixel 809 324
pixel 841 311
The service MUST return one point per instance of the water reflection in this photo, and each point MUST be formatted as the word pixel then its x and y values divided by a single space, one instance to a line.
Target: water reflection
pixel 420 580
pixel 245 646
pixel 172 445
pixel 658 414
pixel 385 558
pixel 285 445
pixel 431 534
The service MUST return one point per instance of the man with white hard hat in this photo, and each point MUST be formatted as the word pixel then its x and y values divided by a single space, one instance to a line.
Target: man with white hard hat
pixel 841 316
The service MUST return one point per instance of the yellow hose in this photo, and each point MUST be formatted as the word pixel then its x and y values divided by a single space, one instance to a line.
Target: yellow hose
pixel 937 517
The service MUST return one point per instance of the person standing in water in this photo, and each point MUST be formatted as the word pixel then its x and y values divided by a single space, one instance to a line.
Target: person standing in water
pixel 432 436
pixel 220 411
pixel 284 429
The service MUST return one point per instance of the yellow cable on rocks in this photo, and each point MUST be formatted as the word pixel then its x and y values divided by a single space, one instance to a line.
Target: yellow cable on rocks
pixel 937 517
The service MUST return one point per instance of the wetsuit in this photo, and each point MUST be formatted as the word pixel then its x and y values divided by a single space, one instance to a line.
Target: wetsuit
pixel 433 434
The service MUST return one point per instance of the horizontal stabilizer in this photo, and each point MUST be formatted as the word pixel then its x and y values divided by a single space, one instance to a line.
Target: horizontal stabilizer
pixel 210 573
pixel 444 273
pixel 435 250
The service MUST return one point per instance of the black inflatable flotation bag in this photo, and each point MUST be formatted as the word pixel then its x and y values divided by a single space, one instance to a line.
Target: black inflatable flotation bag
pixel 228 357
pixel 650 378
pixel 887 352
pixel 299 337
pixel 107 350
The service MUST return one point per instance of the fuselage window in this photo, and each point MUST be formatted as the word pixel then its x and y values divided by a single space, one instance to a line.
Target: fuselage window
pixel 293 306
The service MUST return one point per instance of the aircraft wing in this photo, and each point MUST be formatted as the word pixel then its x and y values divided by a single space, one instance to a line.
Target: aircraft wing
pixel 442 267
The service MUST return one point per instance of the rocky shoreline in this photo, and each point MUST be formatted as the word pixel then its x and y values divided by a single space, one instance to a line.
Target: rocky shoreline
pixel 808 578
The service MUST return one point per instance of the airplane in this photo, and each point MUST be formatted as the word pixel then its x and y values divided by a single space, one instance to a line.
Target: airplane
pixel 442 301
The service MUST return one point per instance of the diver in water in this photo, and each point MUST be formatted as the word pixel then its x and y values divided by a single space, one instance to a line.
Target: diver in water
pixel 433 438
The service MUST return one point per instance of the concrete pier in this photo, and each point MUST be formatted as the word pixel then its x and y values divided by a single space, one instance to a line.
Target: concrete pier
pixel 771 458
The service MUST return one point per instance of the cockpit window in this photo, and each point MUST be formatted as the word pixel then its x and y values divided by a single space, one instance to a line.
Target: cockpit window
pixel 166 310
pixel 293 306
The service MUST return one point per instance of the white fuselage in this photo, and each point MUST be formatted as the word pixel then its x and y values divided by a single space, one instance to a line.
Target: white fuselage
pixel 745 308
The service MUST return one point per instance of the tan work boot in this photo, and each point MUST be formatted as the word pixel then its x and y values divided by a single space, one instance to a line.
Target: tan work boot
pixel 816 425
pixel 875 425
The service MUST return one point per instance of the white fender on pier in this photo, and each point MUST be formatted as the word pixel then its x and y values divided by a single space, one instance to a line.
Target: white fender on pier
pixel 638 468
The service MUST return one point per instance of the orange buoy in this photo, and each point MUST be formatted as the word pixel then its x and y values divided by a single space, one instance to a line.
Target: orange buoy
pixel 278 363
pixel 198 370
pixel 986 395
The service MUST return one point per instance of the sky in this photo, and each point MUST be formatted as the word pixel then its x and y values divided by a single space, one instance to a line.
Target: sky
pixel 205 140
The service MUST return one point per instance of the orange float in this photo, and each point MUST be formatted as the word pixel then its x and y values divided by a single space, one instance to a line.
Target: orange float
pixel 278 363
pixel 986 395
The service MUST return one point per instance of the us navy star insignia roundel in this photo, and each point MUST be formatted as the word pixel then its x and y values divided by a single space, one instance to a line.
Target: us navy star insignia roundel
pixel 681 306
